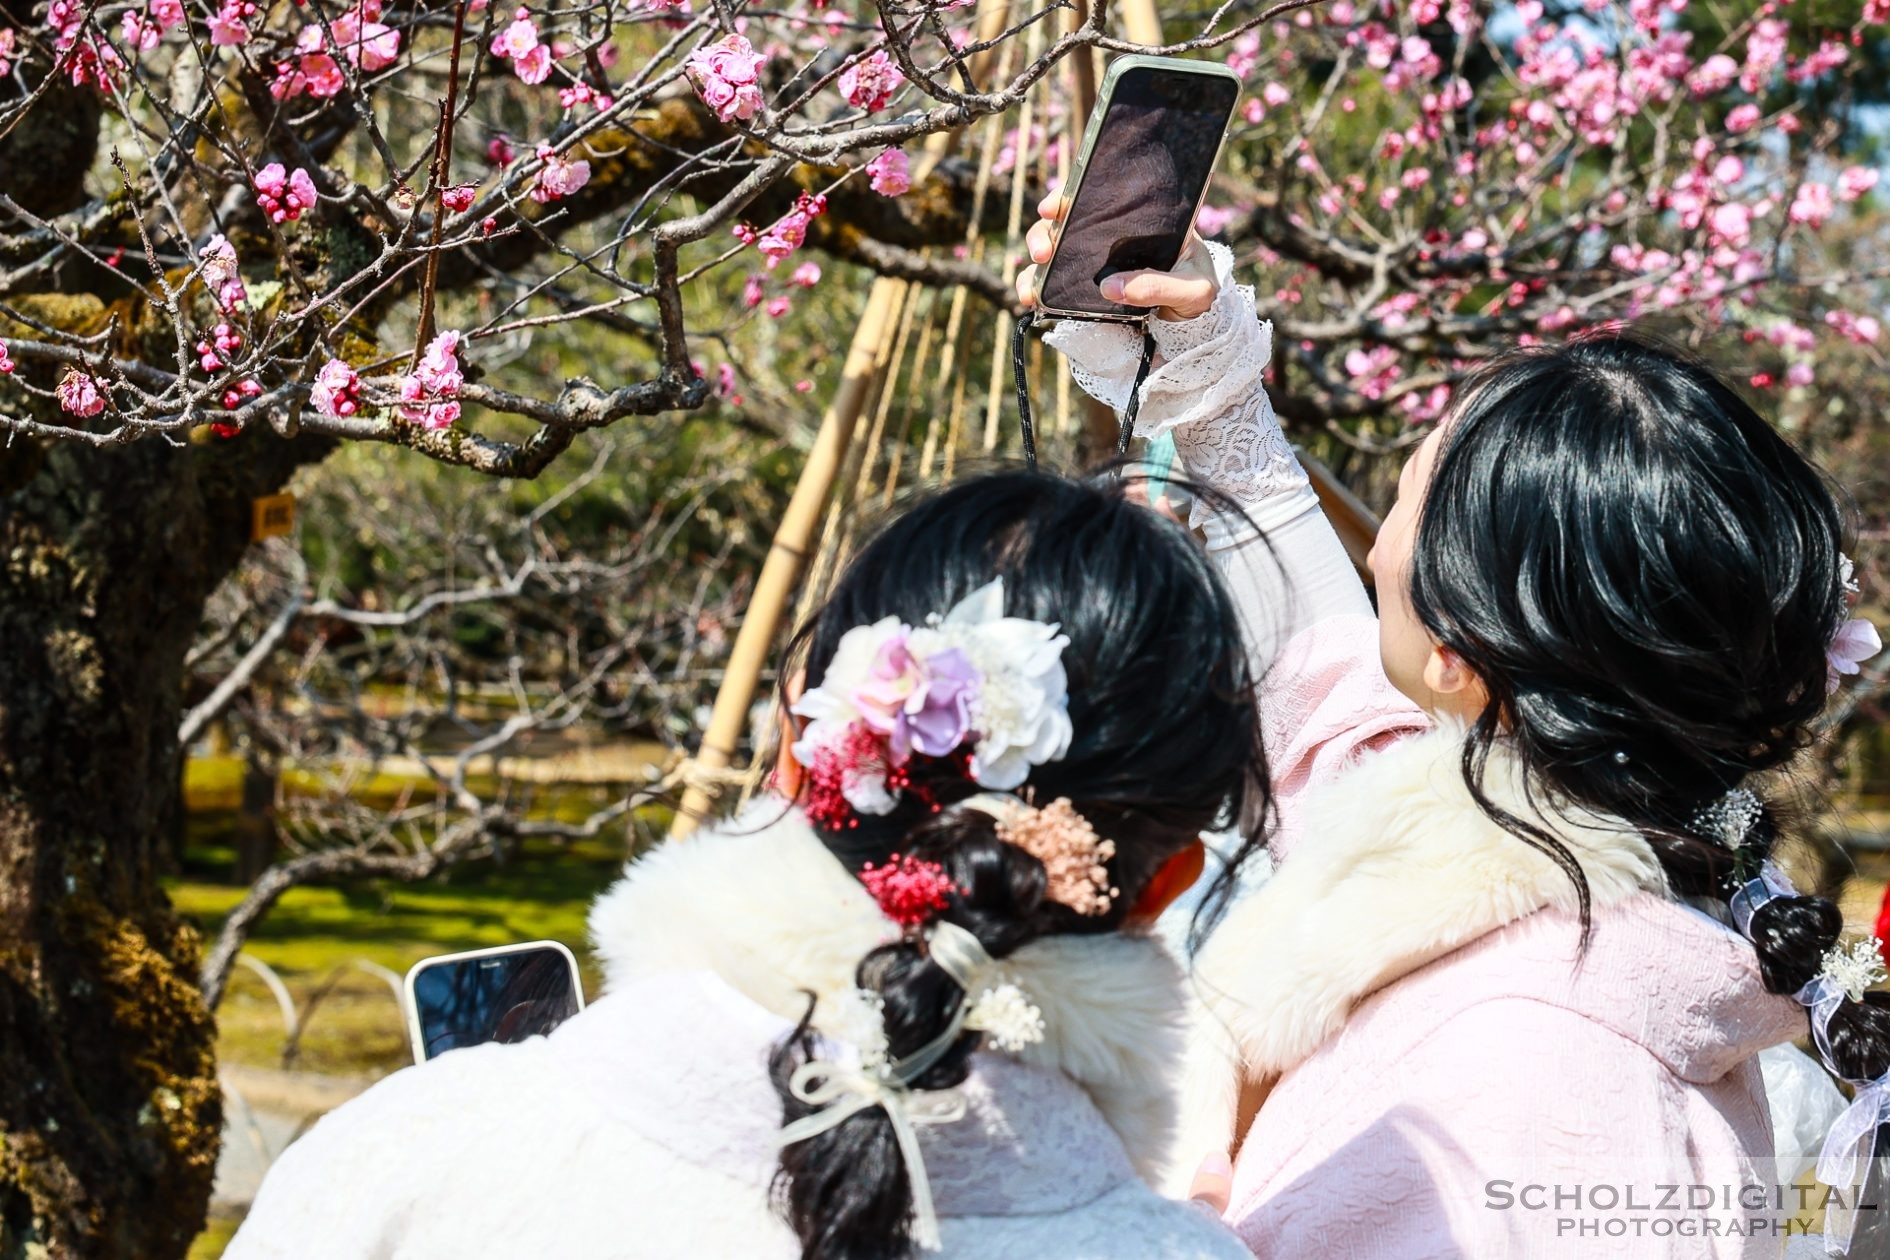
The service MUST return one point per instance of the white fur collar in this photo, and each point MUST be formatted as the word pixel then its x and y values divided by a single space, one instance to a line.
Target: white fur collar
pixel 762 903
pixel 1398 867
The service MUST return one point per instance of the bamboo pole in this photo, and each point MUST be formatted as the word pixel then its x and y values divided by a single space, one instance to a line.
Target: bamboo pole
pixel 859 382
pixel 785 556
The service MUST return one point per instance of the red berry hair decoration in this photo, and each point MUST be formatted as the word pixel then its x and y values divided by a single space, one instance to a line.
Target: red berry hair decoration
pixel 909 890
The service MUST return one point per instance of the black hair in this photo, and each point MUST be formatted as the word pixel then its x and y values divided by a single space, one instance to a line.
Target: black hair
pixel 1165 745
pixel 1644 575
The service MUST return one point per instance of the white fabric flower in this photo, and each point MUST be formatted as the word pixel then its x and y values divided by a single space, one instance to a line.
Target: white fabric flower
pixel 831 711
pixel 1855 970
pixel 1022 709
pixel 1006 1015
pixel 859 1020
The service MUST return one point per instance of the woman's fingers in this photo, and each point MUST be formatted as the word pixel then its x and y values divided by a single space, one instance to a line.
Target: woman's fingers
pixel 1027 286
pixel 1177 296
pixel 1053 207
pixel 1213 1184
pixel 1041 238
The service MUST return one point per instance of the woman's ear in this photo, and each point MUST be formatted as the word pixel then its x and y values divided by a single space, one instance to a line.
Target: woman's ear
pixel 1171 879
pixel 1454 686
pixel 789 774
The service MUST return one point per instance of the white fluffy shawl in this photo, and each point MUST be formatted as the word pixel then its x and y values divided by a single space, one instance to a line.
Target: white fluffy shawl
pixel 1398 867
pixel 762 903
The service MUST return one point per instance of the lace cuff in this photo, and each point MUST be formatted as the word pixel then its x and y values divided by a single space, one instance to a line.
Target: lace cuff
pixel 1205 388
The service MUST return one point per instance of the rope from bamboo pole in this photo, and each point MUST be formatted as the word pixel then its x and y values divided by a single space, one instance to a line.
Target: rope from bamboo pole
pixel 915 390
pixel 1013 232
pixel 821 565
pixel 785 556
pixel 955 322
pixel 779 571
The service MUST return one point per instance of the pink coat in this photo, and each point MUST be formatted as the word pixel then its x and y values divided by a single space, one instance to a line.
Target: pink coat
pixel 1448 1075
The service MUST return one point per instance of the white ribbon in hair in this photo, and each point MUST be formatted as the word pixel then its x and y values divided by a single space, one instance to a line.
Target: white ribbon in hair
pixel 959 955
pixel 843 1090
pixel 1844 1162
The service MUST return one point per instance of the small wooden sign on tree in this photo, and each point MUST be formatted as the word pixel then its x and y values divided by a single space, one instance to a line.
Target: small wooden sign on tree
pixel 271 516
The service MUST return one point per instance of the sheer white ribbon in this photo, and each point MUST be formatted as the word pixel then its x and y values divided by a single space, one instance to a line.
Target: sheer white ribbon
pixel 1844 1163
pixel 843 1090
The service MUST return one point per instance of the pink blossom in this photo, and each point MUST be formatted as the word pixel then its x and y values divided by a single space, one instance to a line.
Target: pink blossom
pixel 535 66
pixel 1812 206
pixel 1765 49
pixel 807 275
pixel 560 177
pixel 79 393
pixel 139 31
pixel 168 14
pixel 890 174
pixel 1855 181
pixel 233 398
pixel 337 390
pixel 1275 95
pixel 788 232
pixel 518 38
pixel 1713 75
pixel 725 383
pixel 500 151
pixel 1732 224
pixel 229 26
pixel 870 82
pixel 1856 642
pixel 726 75
pixel 583 94
pixel 218 261
pixel 1800 373
pixel 7 38
pixel 6 361
pixel 778 306
pixel 427 394
pixel 751 291
pixel 1213 220
pixel 1863 329
pixel 459 198
pixel 1373 371
pixel 283 197
pixel 1743 118
pixel 91 61
pixel 223 340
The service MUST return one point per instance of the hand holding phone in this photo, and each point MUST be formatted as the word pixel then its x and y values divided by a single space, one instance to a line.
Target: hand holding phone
pixel 1187 290
pixel 1122 240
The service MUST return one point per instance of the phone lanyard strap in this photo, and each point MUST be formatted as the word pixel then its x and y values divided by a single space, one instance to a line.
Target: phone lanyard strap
pixel 1020 376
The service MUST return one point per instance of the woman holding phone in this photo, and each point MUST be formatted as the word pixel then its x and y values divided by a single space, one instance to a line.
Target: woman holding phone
pixel 1524 937
pixel 910 1002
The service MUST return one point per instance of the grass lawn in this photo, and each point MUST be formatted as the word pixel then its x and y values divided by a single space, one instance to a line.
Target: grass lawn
pixel 316 937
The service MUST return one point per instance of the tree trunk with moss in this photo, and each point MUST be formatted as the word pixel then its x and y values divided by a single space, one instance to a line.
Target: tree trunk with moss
pixel 110 1120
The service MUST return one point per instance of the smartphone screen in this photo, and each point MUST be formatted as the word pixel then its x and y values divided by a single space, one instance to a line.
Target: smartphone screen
pixel 466 1000
pixel 1147 169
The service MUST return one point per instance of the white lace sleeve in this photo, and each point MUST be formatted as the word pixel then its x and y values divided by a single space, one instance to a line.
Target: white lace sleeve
pixel 1205 389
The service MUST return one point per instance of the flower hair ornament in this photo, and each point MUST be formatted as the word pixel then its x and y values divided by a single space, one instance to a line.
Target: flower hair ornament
pixel 993 1005
pixel 1073 855
pixel 972 683
pixel 1856 640
pixel 1846 974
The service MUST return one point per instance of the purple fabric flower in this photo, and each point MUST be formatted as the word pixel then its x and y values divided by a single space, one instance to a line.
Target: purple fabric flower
pixel 921 706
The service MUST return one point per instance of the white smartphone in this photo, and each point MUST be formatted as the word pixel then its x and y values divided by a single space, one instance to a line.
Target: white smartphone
pixel 506 993
pixel 1139 181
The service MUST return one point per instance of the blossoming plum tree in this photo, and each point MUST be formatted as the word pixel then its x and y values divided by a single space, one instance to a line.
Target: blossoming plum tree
pixel 235 235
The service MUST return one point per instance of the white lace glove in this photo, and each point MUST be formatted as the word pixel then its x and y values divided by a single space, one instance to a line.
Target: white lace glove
pixel 1205 388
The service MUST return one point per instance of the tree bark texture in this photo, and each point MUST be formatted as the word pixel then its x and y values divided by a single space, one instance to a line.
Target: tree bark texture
pixel 109 1108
